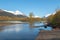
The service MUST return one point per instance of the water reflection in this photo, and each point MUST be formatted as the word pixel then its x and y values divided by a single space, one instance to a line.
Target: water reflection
pixel 15 27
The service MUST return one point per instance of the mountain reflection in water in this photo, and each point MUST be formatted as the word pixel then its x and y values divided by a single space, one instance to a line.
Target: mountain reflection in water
pixel 18 32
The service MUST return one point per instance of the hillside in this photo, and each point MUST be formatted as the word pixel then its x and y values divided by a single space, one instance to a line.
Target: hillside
pixel 10 16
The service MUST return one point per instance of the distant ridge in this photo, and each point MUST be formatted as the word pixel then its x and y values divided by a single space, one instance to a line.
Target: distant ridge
pixel 12 14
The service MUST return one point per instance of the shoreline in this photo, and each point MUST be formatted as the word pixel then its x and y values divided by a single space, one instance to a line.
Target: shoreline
pixel 48 35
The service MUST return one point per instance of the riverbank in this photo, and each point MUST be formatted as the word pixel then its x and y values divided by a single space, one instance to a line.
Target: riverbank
pixel 4 24
pixel 48 35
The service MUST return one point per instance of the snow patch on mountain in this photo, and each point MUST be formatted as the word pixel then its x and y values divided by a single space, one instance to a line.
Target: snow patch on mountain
pixel 17 12
pixel 47 15
pixel 54 13
pixel 51 14
pixel 36 16
pixel 8 11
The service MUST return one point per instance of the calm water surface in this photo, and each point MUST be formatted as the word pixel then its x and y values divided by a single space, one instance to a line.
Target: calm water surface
pixel 19 32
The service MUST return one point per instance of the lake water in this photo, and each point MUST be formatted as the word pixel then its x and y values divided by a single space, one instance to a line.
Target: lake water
pixel 19 32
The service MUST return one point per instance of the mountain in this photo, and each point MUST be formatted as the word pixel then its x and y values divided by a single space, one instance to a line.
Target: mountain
pixel 12 14
pixel 50 14
pixel 4 13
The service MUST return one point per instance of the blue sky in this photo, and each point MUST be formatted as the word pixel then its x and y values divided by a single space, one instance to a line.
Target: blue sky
pixel 38 7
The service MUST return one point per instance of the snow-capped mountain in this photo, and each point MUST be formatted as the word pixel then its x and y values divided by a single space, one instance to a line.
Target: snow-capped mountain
pixel 47 15
pixel 50 14
pixel 16 13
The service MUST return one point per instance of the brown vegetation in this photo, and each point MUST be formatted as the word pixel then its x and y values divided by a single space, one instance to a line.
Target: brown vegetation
pixel 54 20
